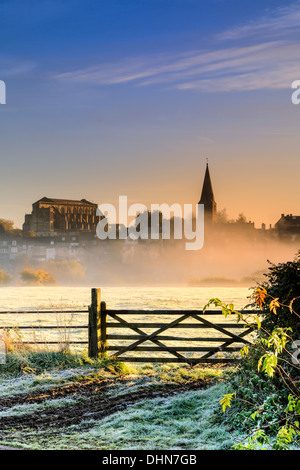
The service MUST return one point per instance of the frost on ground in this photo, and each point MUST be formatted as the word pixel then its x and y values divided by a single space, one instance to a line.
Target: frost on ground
pixel 106 411
pixel 183 421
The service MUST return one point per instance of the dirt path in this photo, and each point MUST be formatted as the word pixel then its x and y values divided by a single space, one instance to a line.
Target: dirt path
pixel 95 402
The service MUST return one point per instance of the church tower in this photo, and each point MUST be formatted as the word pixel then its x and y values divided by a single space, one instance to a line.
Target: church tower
pixel 208 199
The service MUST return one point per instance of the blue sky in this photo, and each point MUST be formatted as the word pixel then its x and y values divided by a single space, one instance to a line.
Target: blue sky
pixel 109 98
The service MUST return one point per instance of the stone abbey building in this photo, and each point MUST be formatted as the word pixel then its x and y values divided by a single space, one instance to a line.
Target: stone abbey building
pixel 51 217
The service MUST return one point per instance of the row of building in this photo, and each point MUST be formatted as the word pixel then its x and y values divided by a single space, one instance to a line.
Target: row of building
pixel 64 229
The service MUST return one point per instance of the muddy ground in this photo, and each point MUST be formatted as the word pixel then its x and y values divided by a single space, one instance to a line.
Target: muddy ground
pixel 96 402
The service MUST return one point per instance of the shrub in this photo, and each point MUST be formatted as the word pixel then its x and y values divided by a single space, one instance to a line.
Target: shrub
pixel 5 277
pixel 38 277
pixel 67 271
pixel 283 283
pixel 264 393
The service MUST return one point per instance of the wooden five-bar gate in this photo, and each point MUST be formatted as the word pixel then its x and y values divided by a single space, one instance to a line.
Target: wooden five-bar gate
pixel 148 341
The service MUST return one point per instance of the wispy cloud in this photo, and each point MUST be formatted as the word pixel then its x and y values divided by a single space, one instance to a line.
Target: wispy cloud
pixel 11 67
pixel 282 23
pixel 262 62
pixel 275 66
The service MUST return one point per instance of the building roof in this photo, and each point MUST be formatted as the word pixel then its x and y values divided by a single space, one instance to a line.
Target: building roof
pixel 207 195
pixel 288 220
pixel 53 201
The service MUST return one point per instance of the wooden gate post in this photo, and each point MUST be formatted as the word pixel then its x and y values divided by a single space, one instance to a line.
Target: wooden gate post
pixel 94 323
pixel 103 329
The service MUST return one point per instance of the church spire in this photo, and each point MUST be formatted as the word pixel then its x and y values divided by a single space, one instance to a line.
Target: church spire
pixel 207 198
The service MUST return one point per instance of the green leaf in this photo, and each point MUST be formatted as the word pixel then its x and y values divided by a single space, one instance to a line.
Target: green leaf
pixel 226 401
pixel 244 351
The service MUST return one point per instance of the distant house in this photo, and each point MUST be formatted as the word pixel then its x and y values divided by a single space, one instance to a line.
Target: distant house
pixel 50 217
pixel 288 226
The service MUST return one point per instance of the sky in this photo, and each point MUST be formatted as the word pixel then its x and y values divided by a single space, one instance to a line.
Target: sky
pixel 131 97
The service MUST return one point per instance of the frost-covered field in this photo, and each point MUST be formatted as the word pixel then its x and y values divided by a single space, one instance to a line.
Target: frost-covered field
pixel 14 299
pixel 18 298
pixel 146 411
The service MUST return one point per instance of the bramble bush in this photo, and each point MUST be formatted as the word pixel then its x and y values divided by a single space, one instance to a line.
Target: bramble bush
pixel 281 303
pixel 264 398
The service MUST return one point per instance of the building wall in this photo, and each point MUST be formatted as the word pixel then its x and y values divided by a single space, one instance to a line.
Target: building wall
pixel 51 218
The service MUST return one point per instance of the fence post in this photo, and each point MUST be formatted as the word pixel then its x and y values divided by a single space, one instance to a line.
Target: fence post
pixel 94 323
pixel 103 329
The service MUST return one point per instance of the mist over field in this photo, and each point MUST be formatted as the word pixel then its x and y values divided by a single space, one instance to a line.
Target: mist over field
pixel 233 255
pixel 232 262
